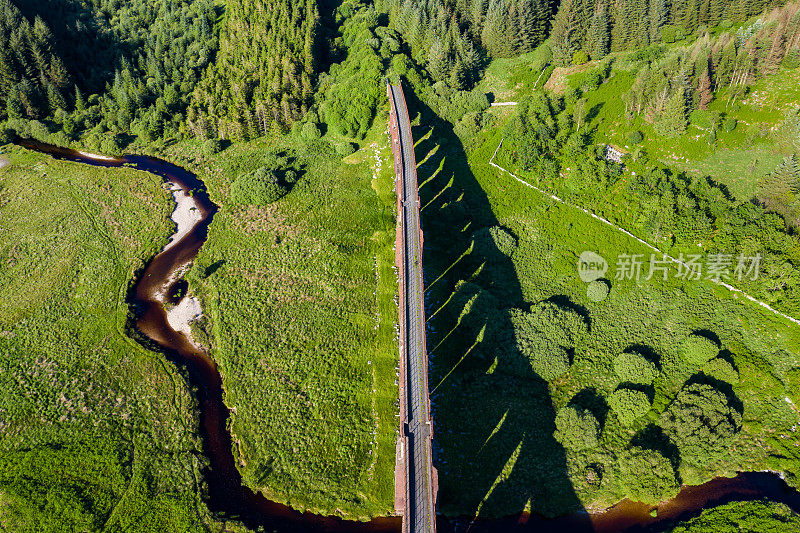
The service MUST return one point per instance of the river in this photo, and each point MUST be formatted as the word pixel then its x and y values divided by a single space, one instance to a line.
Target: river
pixel 161 283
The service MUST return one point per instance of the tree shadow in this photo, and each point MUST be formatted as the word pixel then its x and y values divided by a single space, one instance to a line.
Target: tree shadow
pixel 493 416
pixel 647 352
pixel 596 403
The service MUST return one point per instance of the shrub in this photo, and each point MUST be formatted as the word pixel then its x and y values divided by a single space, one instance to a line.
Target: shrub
pixel 7 135
pixel 635 137
pixel 39 131
pixel 310 132
pixel 260 187
pixel 669 34
pixel 647 476
pixel 579 57
pixel 489 241
pixel 344 149
pixel 545 334
pixel 701 422
pixel 629 404
pixel 729 124
pixel 698 350
pixel 576 428
pixel 110 145
pixel 469 126
pixel 597 290
pixel 212 146
pixel 722 370
pixel 792 58
pixel 633 367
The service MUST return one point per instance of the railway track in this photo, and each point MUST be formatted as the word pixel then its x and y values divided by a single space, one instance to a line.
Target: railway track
pixel 416 486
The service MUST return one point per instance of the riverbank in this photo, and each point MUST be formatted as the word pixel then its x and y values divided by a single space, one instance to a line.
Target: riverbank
pixel 85 412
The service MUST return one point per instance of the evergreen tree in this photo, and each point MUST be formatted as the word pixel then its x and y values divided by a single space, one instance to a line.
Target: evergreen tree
pixel 80 102
pixel 569 29
pixel 704 90
pixel 673 122
pixel 657 17
pixel 598 36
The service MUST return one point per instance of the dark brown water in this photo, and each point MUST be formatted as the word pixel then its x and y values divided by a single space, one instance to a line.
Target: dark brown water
pixel 156 285
pixel 228 496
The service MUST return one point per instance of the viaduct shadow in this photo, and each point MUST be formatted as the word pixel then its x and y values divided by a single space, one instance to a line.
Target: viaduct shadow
pixel 493 416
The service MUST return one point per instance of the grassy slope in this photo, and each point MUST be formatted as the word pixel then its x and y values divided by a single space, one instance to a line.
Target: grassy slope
pixel 302 313
pixel 484 448
pixel 738 159
pixel 653 314
pixel 95 432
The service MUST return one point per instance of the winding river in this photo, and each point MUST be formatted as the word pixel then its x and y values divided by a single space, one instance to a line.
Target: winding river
pixel 161 283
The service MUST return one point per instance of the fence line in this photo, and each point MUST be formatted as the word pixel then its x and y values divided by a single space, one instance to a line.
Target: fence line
pixel 637 239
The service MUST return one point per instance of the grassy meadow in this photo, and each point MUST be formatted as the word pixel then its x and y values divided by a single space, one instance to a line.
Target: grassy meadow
pixel 301 314
pixel 96 433
pixel 495 418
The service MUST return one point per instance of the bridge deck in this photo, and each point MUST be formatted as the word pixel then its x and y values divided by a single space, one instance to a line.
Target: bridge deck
pixel 419 493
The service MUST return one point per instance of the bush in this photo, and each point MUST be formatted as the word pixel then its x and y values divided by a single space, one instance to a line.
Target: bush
pixel 722 370
pixel 597 290
pixel 629 404
pixel 647 476
pixel 490 241
pixel 576 428
pixel 469 126
pixel 729 124
pixel 698 350
pixel 633 367
pixel 579 57
pixel 7 135
pixel 344 149
pixel 701 422
pixel 110 145
pixel 39 131
pixel 634 137
pixel 545 334
pixel 211 147
pixel 260 187
pixel 310 132
pixel 669 34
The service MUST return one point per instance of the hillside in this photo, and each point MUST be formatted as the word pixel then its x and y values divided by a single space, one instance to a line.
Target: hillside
pixel 657 137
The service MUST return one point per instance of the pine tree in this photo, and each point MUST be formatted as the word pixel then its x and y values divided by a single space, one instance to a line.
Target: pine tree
pixel 776 52
pixel 598 36
pixel 568 30
pixel 657 17
pixel 690 17
pixel 673 121
pixel 704 90
pixel 495 30
pixel 54 99
pixel 477 16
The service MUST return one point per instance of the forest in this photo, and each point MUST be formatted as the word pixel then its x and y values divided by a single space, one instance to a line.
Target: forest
pixel 550 395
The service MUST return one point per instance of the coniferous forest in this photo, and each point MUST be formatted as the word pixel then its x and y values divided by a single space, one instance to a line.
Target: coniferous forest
pixel 666 130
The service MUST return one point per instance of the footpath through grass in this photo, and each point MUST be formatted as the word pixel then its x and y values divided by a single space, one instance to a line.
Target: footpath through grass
pixel 299 298
pixel 96 433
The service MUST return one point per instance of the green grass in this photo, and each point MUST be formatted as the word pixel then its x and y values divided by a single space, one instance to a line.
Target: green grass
pixel 737 159
pixel 761 516
pixel 96 433
pixel 509 79
pixel 494 420
pixel 302 315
